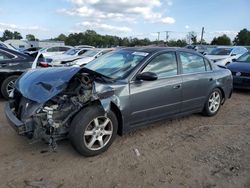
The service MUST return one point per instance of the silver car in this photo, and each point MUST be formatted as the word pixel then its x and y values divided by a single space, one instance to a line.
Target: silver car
pixel 116 93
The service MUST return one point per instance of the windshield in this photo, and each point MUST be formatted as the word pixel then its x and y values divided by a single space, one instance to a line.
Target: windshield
pixel 72 51
pixel 91 53
pixel 117 64
pixel 221 51
pixel 244 58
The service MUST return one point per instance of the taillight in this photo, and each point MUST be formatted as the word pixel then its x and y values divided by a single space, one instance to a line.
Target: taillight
pixel 43 64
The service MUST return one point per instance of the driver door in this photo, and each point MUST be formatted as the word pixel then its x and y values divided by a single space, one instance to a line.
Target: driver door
pixel 152 100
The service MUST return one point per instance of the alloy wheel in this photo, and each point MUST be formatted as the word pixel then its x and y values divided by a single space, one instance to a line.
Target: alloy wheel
pixel 98 133
pixel 214 101
pixel 10 87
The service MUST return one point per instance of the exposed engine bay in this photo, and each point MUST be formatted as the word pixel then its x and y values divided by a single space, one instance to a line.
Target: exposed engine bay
pixel 51 120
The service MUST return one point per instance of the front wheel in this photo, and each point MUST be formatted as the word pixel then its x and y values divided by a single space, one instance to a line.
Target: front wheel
pixel 92 132
pixel 8 86
pixel 213 103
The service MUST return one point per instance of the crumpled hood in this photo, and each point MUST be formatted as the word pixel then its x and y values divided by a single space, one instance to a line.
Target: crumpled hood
pixel 239 67
pixel 40 85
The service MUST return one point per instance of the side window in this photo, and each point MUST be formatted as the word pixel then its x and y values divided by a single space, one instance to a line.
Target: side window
pixel 6 56
pixel 208 65
pixel 63 49
pixel 243 50
pixel 235 51
pixel 53 49
pixel 82 52
pixel 163 65
pixel 192 63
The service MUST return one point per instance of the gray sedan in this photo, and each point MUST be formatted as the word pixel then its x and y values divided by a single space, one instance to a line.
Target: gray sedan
pixel 115 93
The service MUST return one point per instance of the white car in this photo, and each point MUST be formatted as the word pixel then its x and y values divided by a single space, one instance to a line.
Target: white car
pixel 84 46
pixel 90 56
pixel 70 55
pixel 54 50
pixel 224 55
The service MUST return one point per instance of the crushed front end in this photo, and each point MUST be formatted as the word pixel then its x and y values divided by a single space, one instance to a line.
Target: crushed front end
pixel 50 120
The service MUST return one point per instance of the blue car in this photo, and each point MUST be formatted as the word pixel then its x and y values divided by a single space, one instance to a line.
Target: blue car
pixel 240 69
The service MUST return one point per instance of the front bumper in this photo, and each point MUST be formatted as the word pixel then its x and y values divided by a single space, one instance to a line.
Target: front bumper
pixel 16 124
pixel 241 82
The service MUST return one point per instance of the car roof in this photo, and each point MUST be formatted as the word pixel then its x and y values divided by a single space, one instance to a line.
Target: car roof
pixel 148 49
pixel 153 50
pixel 59 46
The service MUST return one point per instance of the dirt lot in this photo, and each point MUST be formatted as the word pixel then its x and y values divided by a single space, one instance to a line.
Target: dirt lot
pixel 193 151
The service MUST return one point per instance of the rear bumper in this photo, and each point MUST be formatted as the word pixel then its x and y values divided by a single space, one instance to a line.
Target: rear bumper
pixel 15 123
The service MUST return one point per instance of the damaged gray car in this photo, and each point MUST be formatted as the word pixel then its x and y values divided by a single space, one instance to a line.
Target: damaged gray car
pixel 114 94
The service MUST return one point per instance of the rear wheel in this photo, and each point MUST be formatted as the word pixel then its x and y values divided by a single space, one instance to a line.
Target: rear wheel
pixel 92 132
pixel 8 86
pixel 213 103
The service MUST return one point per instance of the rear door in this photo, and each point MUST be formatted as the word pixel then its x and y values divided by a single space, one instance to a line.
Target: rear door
pixel 152 100
pixel 197 80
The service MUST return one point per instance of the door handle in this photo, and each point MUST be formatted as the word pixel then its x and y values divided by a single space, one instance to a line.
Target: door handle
pixel 177 86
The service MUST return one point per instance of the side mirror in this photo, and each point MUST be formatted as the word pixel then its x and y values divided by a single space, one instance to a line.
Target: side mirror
pixel 147 76
pixel 233 60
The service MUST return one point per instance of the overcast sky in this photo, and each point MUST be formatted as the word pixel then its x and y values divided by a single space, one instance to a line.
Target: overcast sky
pixel 141 18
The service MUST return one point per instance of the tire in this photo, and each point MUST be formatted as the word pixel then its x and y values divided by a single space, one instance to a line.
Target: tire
pixel 84 131
pixel 213 103
pixel 7 84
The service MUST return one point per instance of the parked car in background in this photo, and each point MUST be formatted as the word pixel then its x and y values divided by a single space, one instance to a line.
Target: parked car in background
pixel 55 50
pixel 84 46
pixel 117 92
pixel 6 45
pixel 203 49
pixel 12 65
pixel 69 56
pixel 240 69
pixel 90 56
pixel 223 55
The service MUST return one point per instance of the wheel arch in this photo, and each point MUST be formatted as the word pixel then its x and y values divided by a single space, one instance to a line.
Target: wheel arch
pixel 222 93
pixel 114 108
pixel 6 75
pixel 118 114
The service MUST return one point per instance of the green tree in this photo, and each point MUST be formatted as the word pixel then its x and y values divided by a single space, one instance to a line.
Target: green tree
pixel 7 35
pixel 177 43
pixel 61 37
pixel 221 40
pixel 30 37
pixel 242 38
pixel 17 35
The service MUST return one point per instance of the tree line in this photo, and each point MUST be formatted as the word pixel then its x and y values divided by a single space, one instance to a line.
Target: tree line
pixel 90 37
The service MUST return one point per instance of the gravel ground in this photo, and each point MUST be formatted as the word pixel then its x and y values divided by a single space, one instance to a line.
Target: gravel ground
pixel 193 151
